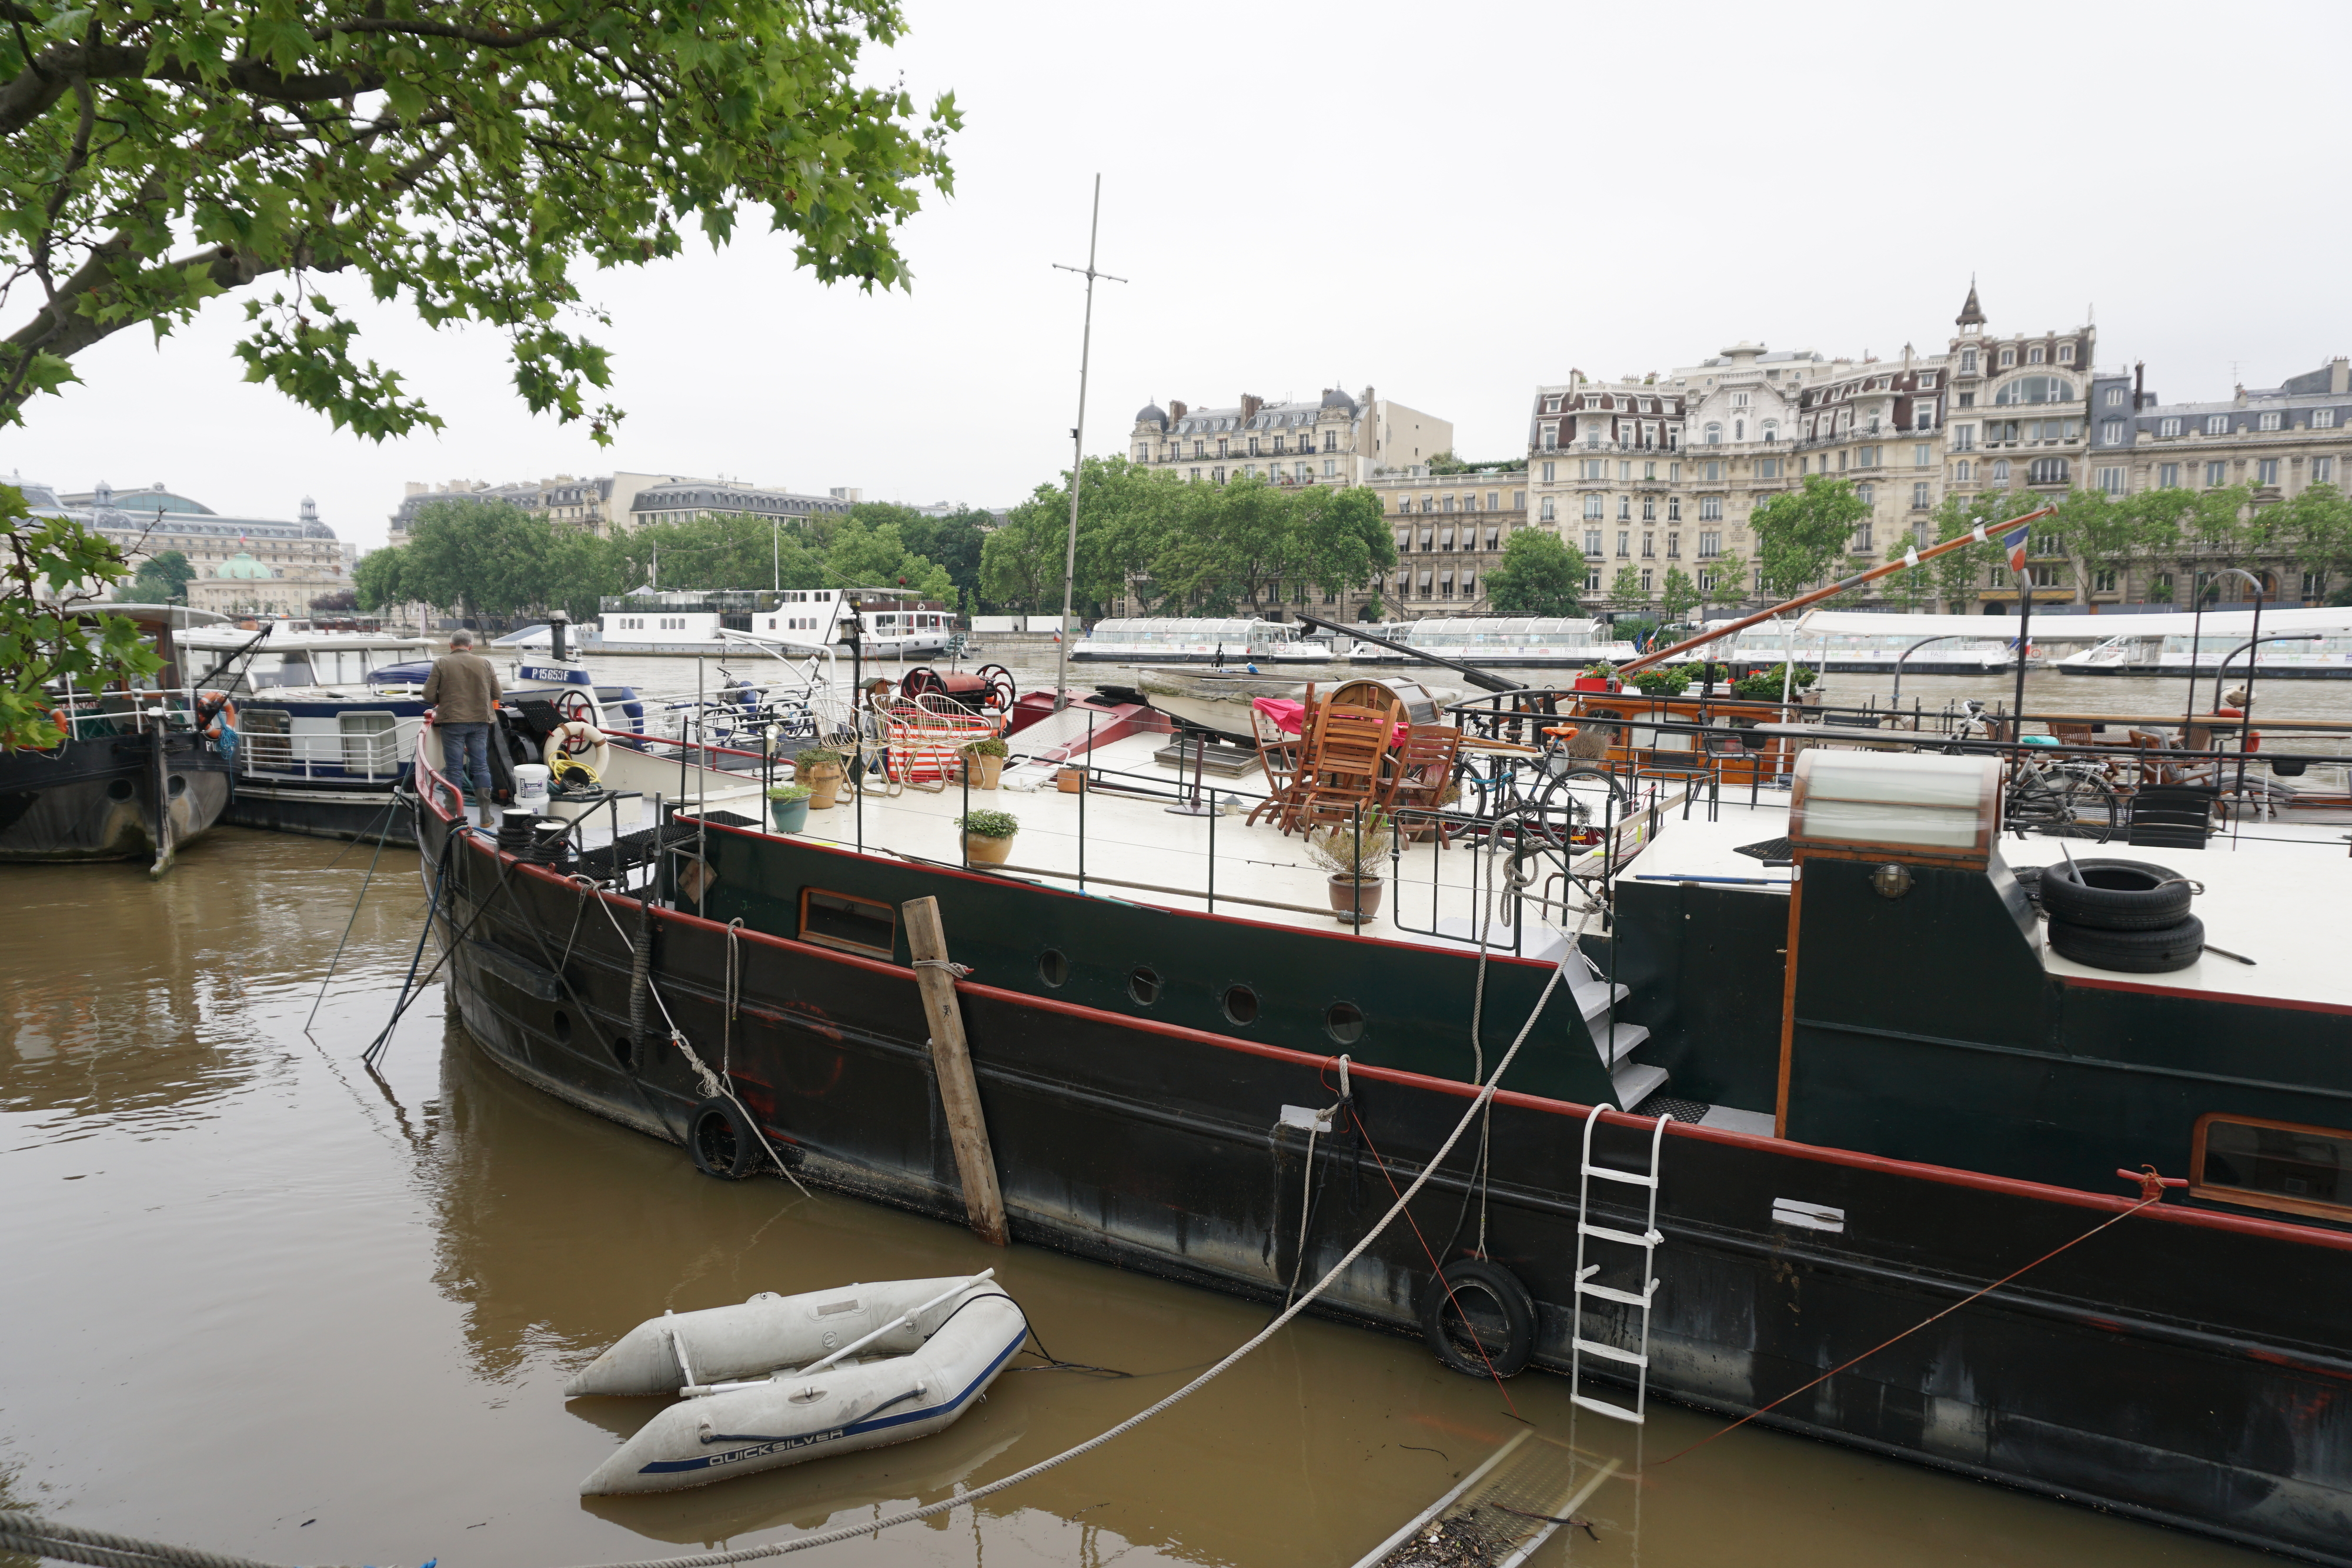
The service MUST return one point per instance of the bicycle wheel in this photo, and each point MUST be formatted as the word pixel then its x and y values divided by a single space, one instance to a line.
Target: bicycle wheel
pixel 2064 805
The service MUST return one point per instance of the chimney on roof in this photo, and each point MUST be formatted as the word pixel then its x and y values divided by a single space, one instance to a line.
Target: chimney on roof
pixel 2139 384
pixel 414 489
pixel 1251 403
pixel 2339 375
pixel 1175 408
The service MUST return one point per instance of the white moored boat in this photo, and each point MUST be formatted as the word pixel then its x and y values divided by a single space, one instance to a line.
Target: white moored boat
pixel 1176 640
pixel 1848 641
pixel 2172 643
pixel 929 1348
pixel 1542 642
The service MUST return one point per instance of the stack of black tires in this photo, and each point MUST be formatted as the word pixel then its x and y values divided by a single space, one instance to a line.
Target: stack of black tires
pixel 2126 915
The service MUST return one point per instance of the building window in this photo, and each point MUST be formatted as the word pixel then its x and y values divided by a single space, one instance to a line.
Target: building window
pixel 2323 470
pixel 1710 509
pixel 1862 540
pixel 1767 467
pixel 1649 546
pixel 2314 584
pixel 1961 472
pixel 1593 542
pixel 1919 496
pixel 1711 472
pixel 1552 438
pixel 1624 509
pixel 2008 357
pixel 1551 405
pixel 2165 427
pixel 2266 471
pixel 2217 425
pixel 1446 505
pixel 1674 545
pixel 1674 508
pixel 2102 583
pixel 1649 508
pixel 1624 543
pixel 1330 467
pixel 2111 481
pixel 1595 509
pixel 1493 500
pixel 2111 432
pixel 1592 581
pixel 1595 468
pixel 2269 420
pixel 1714 435
pixel 1964 438
pixel 2323 419
pixel 1547 514
pixel 1330 441
pixel 1710 545
pixel 2047 471
pixel 1866 494
pixel 2216 475
pixel 2167 475
pixel 2001 472
pixel 1968 361
pixel 2033 355
pixel 1548 472
pixel 2115 397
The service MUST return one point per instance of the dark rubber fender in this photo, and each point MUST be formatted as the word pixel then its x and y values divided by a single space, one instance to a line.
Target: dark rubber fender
pixel 2115 896
pixel 719 1137
pixel 1489 1299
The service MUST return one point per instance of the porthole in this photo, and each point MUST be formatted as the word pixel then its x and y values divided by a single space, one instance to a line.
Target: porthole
pixel 1344 1022
pixel 1143 984
pixel 562 1026
pixel 119 790
pixel 179 786
pixel 1053 968
pixel 1241 1004
pixel 621 1053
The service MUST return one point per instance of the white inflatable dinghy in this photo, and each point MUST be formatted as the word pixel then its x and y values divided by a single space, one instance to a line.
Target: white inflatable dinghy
pixel 931 1348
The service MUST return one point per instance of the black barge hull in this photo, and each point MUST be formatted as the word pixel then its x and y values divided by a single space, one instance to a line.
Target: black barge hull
pixel 2184 1367
pixel 105 798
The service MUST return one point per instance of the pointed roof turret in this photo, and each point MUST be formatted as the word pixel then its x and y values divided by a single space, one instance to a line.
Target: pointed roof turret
pixel 1971 314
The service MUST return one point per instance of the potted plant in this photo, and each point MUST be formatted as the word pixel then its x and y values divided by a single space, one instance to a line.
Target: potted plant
pixel 984 761
pixel 987 836
pixel 789 805
pixel 1600 678
pixel 1353 853
pixel 1764 686
pixel 1663 681
pixel 822 768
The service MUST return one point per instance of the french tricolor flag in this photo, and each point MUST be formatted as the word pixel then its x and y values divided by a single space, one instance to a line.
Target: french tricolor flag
pixel 2014 542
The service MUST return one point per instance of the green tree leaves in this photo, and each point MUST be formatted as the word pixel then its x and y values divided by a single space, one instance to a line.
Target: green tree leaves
pixel 466 160
pixel 1539 574
pixel 50 566
pixel 163 580
pixel 1800 532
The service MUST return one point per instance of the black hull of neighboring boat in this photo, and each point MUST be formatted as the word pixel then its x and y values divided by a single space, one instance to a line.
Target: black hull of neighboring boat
pixel 2182 1367
pixel 96 800
pixel 2206 671
pixel 367 811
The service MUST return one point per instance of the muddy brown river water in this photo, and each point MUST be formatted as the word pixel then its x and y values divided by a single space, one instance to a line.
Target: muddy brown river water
pixel 259 1300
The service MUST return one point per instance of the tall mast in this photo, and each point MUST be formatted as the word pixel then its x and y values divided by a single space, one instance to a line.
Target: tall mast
pixel 1077 457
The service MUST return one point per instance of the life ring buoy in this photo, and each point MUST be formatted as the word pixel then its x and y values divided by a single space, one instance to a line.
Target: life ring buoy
pixel 571 737
pixel 226 714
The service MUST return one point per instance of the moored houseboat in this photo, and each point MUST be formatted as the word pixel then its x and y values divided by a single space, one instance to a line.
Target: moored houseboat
pixel 1502 642
pixel 1825 1028
pixel 2317 645
pixel 1207 639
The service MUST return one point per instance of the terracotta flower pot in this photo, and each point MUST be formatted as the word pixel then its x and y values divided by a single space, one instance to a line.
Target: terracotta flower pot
pixel 986 851
pixel 985 772
pixel 1071 780
pixel 825 785
pixel 1352 896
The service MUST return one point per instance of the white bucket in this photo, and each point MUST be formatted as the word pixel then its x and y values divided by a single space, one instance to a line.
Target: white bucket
pixel 530 786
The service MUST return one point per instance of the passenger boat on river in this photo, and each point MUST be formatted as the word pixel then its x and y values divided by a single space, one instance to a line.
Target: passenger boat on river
pixel 1825 1028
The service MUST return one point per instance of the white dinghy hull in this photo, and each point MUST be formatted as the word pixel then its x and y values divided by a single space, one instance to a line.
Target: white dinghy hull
pixel 754 1338
pixel 840 1409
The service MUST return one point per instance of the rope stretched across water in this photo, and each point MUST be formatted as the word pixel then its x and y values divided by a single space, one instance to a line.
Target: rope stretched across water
pixel 39 1538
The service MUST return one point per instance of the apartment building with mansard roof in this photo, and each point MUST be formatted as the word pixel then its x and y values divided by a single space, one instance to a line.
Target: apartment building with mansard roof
pixel 1336 438
pixel 2280 441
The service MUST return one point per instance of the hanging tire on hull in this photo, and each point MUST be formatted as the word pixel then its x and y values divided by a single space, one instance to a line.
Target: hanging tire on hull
pixel 719 1137
pixel 1475 1315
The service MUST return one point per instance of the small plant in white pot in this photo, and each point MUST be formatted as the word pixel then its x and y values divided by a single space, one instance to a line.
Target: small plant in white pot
pixel 1353 852
pixel 987 836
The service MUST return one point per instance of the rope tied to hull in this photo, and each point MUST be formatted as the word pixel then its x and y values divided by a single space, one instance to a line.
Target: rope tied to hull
pixel 959 971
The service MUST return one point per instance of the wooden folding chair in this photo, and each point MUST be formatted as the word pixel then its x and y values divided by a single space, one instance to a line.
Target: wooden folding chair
pixel 1279 754
pixel 1343 768
pixel 1419 772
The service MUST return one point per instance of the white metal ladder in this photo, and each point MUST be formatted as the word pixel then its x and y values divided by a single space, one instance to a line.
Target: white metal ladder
pixel 1647 1240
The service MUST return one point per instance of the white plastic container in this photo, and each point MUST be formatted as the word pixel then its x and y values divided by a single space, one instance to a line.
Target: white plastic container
pixel 530 786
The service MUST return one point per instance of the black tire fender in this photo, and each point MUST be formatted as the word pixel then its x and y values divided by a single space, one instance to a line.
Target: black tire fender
pixel 2154 952
pixel 719 1137
pixel 2100 895
pixel 1476 1285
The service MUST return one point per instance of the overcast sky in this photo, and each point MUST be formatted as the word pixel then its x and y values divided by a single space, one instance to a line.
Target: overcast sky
pixel 1451 204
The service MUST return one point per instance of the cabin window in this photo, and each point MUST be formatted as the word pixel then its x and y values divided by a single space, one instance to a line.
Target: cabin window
pixel 852 925
pixel 1143 984
pixel 1344 1022
pixel 1240 1005
pixel 264 732
pixel 2273 1165
pixel 1053 968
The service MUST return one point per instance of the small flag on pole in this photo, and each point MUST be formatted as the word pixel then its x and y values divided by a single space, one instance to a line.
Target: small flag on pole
pixel 2014 542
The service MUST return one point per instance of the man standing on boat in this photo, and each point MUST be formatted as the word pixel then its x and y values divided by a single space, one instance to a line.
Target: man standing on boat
pixel 463 691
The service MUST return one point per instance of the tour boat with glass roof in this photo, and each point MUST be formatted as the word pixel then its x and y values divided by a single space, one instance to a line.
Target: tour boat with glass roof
pixel 2316 645
pixel 1183 640
pixel 1526 642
